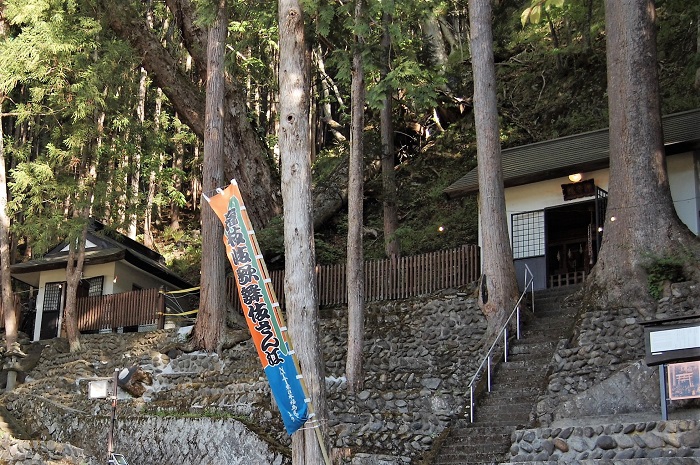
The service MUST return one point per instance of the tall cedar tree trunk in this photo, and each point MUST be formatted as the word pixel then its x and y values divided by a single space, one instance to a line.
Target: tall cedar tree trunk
pixel 7 304
pixel 389 190
pixel 355 264
pixel 136 161
pixel 645 222
pixel 155 168
pixel 499 288
pixel 74 272
pixel 300 277
pixel 7 299
pixel 212 298
pixel 178 162
pixel 245 157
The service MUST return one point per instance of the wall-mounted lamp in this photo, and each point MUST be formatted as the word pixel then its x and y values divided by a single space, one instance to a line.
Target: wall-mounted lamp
pixel 115 279
pixel 576 177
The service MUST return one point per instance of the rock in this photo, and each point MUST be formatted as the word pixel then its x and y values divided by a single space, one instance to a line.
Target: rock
pixel 605 442
pixel 690 439
pixel 561 444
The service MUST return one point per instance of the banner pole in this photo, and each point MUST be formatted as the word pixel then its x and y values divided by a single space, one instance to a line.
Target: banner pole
pixel 275 307
pixel 312 411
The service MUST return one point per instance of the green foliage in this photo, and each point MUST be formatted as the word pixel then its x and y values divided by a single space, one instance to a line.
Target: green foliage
pixel 533 13
pixel 187 262
pixel 271 240
pixel 662 269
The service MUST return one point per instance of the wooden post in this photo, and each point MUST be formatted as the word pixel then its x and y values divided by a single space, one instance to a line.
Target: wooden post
pixel 161 308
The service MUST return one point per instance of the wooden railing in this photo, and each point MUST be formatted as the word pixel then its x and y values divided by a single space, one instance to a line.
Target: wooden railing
pixel 384 280
pixel 144 307
pixel 389 279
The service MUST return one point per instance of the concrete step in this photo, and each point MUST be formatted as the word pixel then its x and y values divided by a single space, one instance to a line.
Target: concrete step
pixel 507 400
pixel 524 346
pixel 515 387
pixel 511 416
pixel 469 457
pixel 505 392
pixel 525 375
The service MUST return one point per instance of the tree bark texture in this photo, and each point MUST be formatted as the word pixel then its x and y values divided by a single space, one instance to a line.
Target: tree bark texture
pixel 300 278
pixel 212 298
pixel 8 304
pixel 355 260
pixel 499 287
pixel 6 296
pixel 245 158
pixel 641 220
pixel 392 247
pixel 136 160
pixel 74 272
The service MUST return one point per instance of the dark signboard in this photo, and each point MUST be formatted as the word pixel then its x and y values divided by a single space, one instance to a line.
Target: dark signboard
pixel 577 190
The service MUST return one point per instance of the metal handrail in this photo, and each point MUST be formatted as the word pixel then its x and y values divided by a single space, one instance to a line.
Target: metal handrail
pixel 529 283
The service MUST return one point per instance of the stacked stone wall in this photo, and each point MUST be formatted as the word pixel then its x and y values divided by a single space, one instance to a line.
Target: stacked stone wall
pixel 147 440
pixel 607 342
pixel 419 356
pixel 617 441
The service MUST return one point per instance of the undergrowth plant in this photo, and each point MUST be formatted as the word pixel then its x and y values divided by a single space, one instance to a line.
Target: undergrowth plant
pixel 661 269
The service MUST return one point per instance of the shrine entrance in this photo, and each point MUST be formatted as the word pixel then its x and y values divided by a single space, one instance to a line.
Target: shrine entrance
pixel 573 234
pixel 559 244
pixel 571 243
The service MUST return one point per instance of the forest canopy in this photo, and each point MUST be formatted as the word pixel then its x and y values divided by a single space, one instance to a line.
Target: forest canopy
pixel 102 109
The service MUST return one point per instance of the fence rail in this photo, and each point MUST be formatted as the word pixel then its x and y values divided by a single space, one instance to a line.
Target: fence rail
pixel 389 279
pixel 144 307
pixel 384 280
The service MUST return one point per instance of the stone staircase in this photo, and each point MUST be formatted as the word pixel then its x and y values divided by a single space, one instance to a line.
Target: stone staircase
pixel 515 386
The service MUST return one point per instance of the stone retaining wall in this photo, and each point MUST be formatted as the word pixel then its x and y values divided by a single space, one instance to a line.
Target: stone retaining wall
pixel 148 440
pixel 605 352
pixel 419 355
pixel 680 438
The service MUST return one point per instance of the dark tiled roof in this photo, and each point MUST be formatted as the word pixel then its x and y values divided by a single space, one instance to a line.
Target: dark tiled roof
pixel 110 246
pixel 587 151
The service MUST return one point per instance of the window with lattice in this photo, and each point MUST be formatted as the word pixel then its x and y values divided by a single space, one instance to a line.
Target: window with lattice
pixel 52 297
pixel 528 234
pixel 96 285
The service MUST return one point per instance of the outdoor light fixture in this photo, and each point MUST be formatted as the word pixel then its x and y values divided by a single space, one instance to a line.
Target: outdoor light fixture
pixel 576 177
pixel 612 218
pixel 115 279
pixel 441 228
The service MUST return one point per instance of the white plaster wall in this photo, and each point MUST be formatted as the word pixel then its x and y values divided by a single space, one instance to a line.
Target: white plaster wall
pixel 53 276
pixel 544 194
pixel 684 182
pixel 128 276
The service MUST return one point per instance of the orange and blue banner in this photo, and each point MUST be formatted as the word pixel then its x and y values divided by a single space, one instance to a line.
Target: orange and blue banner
pixel 261 308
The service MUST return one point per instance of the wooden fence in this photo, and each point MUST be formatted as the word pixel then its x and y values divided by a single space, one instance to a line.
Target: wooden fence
pixel 389 279
pixel 144 307
pixel 384 280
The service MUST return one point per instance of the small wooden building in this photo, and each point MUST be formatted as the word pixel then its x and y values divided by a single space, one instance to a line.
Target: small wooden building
pixel 114 264
pixel 556 196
